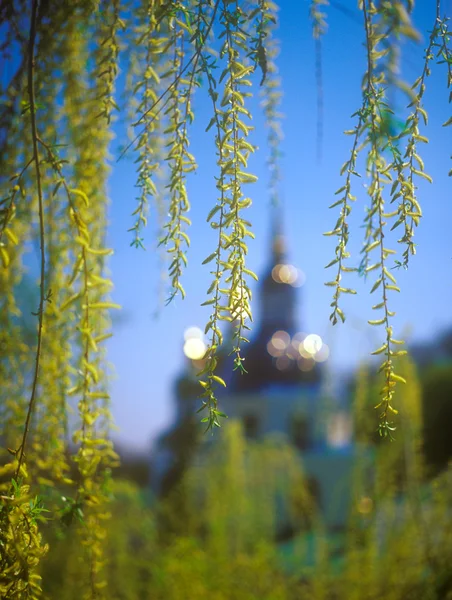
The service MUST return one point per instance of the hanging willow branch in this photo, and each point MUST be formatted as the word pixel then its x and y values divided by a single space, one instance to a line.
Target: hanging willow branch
pixel 36 160
pixel 319 27
pixel 233 151
pixel 445 55
pixel 271 91
pixel 391 172
pixel 20 541
pixel 147 145
pixel 180 162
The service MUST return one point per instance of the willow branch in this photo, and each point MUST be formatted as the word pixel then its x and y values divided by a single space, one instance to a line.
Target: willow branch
pixel 34 136
pixel 194 57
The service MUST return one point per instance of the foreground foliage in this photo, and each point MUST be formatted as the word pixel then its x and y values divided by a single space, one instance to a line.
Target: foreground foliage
pixel 217 535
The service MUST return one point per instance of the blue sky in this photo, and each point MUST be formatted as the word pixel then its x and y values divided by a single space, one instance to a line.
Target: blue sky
pixel 147 351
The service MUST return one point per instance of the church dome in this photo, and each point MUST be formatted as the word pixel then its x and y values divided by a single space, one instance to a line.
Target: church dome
pixel 276 355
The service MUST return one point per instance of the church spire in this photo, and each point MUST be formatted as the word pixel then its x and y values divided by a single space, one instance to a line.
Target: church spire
pixel 272 357
pixel 278 241
pixel 277 294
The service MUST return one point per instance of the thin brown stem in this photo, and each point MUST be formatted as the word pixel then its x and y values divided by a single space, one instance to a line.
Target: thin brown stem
pixel 388 371
pixel 34 136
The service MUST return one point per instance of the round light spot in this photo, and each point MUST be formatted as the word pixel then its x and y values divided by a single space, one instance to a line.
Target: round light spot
pixel 312 343
pixel 299 279
pixel 275 273
pixel 288 274
pixel 293 275
pixel 193 332
pixel 297 339
pixel 273 350
pixel 305 364
pixel 194 348
pixel 280 340
pixel 199 364
pixel 323 354
pixel 285 273
pixel 291 352
pixel 303 352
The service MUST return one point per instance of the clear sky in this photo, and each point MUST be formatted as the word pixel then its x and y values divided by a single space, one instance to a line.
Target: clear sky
pixel 147 351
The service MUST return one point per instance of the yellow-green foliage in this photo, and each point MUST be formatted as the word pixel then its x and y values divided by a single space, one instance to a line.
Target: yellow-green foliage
pixel 396 544
pixel 392 174
pixel 71 221
pixel 21 544
pixel 129 547
pixel 228 554
pixel 61 105
pixel 241 487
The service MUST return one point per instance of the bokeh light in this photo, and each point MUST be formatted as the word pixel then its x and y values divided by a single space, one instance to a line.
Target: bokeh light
pixel 305 364
pixel 273 351
pixel 303 352
pixel 309 347
pixel 288 274
pixel 194 348
pixel 312 343
pixel 193 332
pixel 297 339
pixel 281 339
pixel 300 279
pixel 322 354
pixel 278 344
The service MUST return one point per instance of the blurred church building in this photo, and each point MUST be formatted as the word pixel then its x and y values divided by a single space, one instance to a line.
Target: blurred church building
pixel 287 394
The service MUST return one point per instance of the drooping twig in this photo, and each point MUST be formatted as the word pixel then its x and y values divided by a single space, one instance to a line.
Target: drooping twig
pixel 34 136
